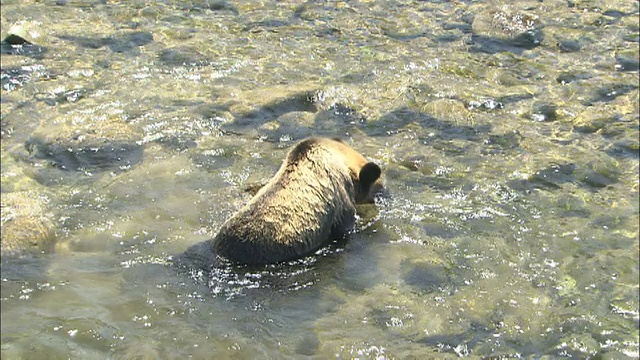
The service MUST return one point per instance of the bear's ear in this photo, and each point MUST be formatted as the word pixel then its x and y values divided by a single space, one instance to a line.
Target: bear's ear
pixel 369 173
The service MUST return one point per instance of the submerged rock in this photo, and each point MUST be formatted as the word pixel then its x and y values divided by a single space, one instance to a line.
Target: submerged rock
pixel 610 91
pixel 544 111
pixel 450 110
pixel 125 42
pixel 594 175
pixel 503 29
pixel 111 143
pixel 628 60
pixel 571 76
pixel 15 44
pixel 593 119
pixel 291 125
pixel 183 56
pixel 569 45
pixel 13 39
pixel 553 176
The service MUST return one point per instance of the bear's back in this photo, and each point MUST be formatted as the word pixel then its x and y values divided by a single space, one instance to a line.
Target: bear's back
pixel 309 200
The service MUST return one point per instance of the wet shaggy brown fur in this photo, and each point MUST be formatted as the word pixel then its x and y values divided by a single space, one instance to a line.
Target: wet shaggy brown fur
pixel 308 202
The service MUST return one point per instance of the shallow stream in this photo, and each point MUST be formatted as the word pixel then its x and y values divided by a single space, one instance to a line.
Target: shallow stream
pixel 507 133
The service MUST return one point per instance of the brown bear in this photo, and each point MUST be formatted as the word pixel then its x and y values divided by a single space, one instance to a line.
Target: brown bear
pixel 309 201
pixel 25 227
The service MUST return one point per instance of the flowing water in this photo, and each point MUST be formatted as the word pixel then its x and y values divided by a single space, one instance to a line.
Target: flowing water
pixel 507 133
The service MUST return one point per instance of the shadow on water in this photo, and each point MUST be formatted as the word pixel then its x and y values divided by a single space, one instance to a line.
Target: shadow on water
pixel 399 119
pixel 298 102
pixel 295 117
pixel 624 149
pixel 291 116
pixel 118 43
pixel 109 154
pixel 516 45
pixel 429 278
pixel 553 176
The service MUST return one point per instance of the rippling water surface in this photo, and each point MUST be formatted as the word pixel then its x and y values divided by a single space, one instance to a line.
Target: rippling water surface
pixel 507 133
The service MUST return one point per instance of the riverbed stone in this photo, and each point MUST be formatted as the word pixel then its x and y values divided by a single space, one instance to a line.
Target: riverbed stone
pixel 567 77
pixel 106 144
pixel 628 60
pixel 544 111
pixel 505 28
pixel 20 40
pixel 183 56
pixel 291 125
pixel 593 119
pixel 449 110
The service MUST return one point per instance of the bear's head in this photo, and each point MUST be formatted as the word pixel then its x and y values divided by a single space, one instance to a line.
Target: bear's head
pixel 365 174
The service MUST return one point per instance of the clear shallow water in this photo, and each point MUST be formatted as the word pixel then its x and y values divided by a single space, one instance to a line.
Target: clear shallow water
pixel 508 136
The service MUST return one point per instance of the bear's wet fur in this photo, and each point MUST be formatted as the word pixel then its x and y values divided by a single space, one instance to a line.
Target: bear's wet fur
pixel 308 202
